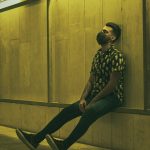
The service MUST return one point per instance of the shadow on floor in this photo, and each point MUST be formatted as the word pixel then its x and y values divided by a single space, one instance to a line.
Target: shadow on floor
pixel 12 143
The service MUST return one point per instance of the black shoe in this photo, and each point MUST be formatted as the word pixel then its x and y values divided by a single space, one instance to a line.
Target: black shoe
pixel 55 144
pixel 27 139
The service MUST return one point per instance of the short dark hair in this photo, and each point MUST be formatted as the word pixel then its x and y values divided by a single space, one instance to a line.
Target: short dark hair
pixel 116 29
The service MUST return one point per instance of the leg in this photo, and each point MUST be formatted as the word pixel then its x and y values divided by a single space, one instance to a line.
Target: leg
pixel 92 113
pixel 67 114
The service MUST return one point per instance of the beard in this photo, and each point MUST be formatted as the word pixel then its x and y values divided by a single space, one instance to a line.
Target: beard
pixel 102 39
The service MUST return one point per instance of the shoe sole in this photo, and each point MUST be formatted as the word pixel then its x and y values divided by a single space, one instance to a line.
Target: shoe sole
pixel 51 142
pixel 24 140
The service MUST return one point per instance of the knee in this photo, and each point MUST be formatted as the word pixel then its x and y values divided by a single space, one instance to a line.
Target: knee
pixel 88 117
pixel 89 112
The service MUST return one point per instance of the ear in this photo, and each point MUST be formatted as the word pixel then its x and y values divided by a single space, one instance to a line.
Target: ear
pixel 113 38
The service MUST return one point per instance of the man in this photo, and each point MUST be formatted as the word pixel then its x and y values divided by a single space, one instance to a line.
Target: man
pixel 103 92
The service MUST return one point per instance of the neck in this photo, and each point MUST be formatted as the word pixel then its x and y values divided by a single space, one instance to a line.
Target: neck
pixel 106 46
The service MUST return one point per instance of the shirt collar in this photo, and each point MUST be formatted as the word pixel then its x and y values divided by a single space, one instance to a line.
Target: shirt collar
pixel 107 50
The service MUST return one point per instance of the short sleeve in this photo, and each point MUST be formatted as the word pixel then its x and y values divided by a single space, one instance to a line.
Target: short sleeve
pixel 118 62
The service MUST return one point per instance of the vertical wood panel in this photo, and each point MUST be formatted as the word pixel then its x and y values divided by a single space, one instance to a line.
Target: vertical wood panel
pixel 122 131
pixel 76 49
pixel 24 65
pixel 38 25
pixel 93 14
pixel 112 11
pixel 67 50
pixel 13 23
pixel 24 43
pixel 59 50
pixel 133 48
pixel 146 55
pixel 61 70
pixel 101 131
pixel 38 65
pixel 52 70
pixel 86 22
pixel 17 61
pixel 61 17
pixel 4 68
pixel 141 132
pixel 5 25
pixel 24 23
pixel 76 79
pixel 76 14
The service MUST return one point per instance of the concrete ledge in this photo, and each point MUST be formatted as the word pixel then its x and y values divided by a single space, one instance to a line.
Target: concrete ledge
pixel 62 105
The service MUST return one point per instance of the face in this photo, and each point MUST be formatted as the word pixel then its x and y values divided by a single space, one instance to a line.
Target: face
pixel 108 32
pixel 105 36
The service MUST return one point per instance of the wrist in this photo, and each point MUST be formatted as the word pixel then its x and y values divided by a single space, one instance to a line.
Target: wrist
pixel 81 99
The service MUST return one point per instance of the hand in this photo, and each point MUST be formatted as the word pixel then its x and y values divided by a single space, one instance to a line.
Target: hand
pixel 91 103
pixel 82 105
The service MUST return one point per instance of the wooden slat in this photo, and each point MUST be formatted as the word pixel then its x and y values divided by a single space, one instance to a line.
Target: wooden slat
pixel 133 48
pixel 24 52
pixel 122 131
pixel 76 78
pixel 147 54
pixel 61 70
pixel 101 131
pixel 93 14
pixel 141 132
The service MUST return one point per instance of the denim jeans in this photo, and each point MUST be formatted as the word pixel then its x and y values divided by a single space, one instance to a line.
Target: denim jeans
pixel 91 114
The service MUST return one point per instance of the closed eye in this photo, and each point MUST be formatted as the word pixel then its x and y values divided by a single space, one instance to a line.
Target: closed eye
pixel 105 31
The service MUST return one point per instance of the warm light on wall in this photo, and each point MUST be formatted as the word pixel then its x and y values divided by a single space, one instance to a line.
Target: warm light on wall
pixel 7 3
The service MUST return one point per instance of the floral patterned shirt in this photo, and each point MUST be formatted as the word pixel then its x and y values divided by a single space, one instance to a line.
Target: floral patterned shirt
pixel 104 63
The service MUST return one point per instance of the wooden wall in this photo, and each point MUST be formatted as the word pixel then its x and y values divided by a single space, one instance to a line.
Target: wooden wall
pixel 73 25
pixel 73 29
pixel 23 52
pixel 147 55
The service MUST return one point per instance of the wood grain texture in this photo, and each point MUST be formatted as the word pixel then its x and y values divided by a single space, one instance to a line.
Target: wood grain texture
pixel 101 131
pixel 147 54
pixel 24 52
pixel 133 48
pixel 82 20
pixel 141 132
pixel 122 131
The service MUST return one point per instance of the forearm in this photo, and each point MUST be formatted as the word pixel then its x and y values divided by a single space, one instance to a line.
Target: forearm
pixel 114 78
pixel 86 90
pixel 106 91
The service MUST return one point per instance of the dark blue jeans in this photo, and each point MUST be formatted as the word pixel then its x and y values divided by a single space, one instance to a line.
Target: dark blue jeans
pixel 91 114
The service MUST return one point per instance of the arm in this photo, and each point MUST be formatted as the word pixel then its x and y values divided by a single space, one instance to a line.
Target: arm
pixel 114 78
pixel 88 87
pixel 85 93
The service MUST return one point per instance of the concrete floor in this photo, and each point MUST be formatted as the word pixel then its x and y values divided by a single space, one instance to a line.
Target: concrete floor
pixel 9 141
